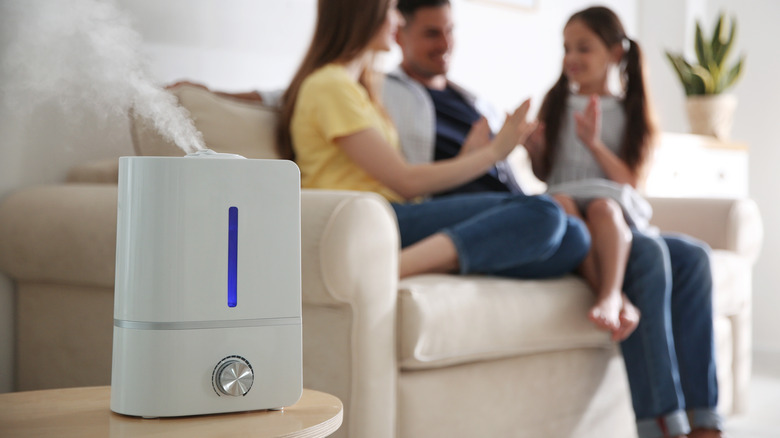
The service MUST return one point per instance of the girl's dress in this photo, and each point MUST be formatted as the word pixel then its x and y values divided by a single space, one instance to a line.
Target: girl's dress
pixel 576 173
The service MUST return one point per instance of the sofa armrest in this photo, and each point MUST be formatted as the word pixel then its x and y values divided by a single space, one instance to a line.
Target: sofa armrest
pixel 350 248
pixel 723 223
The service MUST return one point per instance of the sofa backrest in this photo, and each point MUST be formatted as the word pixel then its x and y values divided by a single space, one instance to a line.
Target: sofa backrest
pixel 228 125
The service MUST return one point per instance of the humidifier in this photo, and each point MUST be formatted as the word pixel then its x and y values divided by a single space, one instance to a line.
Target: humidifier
pixel 207 303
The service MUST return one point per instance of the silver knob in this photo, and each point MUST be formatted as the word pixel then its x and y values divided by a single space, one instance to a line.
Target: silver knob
pixel 233 376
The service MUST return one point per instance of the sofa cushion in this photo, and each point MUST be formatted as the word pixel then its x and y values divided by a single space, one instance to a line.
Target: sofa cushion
pixel 228 125
pixel 447 320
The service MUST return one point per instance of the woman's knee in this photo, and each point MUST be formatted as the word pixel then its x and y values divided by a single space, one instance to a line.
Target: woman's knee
pixel 546 209
pixel 576 241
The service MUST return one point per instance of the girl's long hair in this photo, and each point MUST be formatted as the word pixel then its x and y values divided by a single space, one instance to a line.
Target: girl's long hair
pixel 343 31
pixel 640 127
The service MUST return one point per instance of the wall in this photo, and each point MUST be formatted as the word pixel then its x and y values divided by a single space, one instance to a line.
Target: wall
pixel 231 45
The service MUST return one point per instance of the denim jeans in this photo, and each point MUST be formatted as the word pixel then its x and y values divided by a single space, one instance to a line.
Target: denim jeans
pixel 511 235
pixel 670 357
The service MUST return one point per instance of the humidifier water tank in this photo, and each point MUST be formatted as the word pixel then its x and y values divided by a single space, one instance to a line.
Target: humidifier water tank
pixel 207 303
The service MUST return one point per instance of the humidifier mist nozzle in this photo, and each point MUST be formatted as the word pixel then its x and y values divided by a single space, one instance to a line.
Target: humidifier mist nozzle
pixel 208 153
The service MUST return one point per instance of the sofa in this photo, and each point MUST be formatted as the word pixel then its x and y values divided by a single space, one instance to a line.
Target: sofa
pixel 428 356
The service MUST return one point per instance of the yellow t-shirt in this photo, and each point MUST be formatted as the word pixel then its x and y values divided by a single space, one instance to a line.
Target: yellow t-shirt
pixel 331 105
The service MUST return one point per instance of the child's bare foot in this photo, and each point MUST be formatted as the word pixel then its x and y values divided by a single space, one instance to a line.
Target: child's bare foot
pixel 606 313
pixel 629 319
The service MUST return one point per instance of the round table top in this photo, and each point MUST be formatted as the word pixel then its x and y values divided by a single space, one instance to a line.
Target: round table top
pixel 84 413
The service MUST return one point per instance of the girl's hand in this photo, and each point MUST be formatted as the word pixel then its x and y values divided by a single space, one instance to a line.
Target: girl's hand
pixel 477 138
pixel 516 130
pixel 589 132
pixel 589 123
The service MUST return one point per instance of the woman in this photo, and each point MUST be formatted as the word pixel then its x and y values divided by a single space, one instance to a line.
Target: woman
pixel 334 126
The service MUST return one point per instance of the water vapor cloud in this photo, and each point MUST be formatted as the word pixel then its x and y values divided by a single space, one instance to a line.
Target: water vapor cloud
pixel 83 54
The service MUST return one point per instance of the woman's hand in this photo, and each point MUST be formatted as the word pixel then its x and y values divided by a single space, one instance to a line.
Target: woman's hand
pixel 477 138
pixel 516 130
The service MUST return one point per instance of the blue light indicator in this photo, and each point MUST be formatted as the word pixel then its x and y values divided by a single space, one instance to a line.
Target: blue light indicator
pixel 232 292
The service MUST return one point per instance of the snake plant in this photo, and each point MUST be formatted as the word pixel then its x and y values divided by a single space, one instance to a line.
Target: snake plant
pixel 710 75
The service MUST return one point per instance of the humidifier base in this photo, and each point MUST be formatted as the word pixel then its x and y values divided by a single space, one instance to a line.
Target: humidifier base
pixel 170 372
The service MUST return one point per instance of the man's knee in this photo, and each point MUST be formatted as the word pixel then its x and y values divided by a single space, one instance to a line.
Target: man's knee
pixel 690 258
pixel 648 265
pixel 647 249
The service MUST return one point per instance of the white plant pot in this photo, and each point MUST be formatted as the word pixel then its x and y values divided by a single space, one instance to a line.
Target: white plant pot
pixel 712 114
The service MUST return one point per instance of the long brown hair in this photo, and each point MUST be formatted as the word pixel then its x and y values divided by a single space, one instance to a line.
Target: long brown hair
pixel 640 127
pixel 343 31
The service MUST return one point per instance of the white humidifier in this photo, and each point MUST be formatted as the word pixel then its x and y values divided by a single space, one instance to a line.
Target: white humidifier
pixel 207 304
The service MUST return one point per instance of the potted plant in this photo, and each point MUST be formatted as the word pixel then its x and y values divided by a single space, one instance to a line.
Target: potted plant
pixel 710 110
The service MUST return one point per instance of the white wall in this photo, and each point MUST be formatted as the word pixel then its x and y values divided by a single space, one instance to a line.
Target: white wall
pixel 230 45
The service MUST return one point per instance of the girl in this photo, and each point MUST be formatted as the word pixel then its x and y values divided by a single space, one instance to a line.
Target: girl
pixel 591 149
pixel 334 126
pixel 593 175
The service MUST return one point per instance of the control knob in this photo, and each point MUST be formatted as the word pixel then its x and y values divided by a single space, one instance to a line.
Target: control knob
pixel 233 376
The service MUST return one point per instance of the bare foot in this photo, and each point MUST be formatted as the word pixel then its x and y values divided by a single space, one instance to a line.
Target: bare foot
pixel 606 313
pixel 629 319
pixel 705 433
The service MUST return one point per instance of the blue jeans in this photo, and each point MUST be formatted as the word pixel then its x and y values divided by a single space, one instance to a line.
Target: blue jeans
pixel 670 357
pixel 511 235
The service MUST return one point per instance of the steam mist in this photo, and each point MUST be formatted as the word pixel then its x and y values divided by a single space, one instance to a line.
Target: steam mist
pixel 83 54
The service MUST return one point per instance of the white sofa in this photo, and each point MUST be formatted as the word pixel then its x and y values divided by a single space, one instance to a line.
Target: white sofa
pixel 429 356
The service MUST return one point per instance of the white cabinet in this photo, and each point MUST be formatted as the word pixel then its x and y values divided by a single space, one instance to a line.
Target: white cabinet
pixel 686 165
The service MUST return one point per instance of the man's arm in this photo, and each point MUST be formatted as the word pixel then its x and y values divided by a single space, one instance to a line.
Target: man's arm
pixel 249 96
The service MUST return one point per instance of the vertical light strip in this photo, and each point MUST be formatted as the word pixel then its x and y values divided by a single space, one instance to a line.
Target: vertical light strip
pixel 232 292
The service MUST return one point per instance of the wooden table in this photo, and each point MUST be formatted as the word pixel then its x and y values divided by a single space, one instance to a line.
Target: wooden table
pixel 84 413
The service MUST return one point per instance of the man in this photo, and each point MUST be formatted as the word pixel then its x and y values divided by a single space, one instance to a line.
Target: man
pixel 437 119
pixel 434 116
